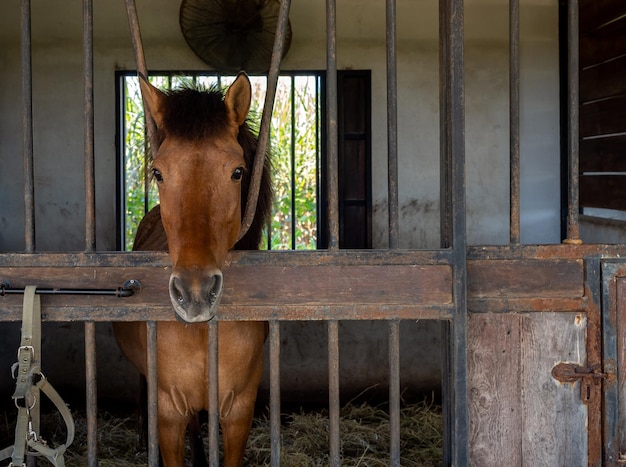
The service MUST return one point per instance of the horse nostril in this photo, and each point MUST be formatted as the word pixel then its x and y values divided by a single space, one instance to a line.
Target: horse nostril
pixel 177 290
pixel 215 288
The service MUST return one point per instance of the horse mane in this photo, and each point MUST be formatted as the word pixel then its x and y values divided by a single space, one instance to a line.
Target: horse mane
pixel 194 112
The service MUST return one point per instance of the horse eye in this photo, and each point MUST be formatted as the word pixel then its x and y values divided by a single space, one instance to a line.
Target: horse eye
pixel 157 175
pixel 237 174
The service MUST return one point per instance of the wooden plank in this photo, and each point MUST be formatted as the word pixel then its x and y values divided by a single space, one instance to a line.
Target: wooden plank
pixel 525 278
pixel 603 191
pixel 604 80
pixel 603 154
pixel 620 322
pixel 603 44
pixel 603 117
pixel 493 358
pixel 554 417
pixel 595 13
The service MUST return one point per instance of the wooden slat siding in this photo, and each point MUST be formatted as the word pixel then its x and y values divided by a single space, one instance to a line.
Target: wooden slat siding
pixel 603 155
pixel 604 80
pixel 593 13
pixel 603 44
pixel 603 191
pixel 494 389
pixel 554 417
pixel 525 278
pixel 603 117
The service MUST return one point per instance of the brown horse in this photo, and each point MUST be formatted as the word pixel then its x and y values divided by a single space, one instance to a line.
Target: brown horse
pixel 201 169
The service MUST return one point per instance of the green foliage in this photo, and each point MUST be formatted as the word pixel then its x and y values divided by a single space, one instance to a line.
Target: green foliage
pixel 295 144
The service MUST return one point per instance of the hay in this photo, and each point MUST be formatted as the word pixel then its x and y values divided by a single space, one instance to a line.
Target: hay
pixel 304 435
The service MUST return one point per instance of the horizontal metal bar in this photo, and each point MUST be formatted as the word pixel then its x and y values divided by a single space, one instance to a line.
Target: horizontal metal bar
pixel 127 290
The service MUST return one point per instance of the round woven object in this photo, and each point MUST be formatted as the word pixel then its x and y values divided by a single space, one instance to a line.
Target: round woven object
pixel 232 35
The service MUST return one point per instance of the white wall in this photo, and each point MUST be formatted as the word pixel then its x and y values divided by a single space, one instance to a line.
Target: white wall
pixel 57 70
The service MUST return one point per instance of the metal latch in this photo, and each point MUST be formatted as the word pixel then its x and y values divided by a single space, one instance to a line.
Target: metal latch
pixel 588 376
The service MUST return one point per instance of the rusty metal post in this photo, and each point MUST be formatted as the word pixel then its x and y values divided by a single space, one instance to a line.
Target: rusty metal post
pixel 392 125
pixel 333 393
pixel 514 123
pixel 214 411
pixel 331 127
pixel 573 131
pixel 88 124
pixel 91 394
pixel 151 380
pixel 275 392
pixel 27 128
pixel 394 393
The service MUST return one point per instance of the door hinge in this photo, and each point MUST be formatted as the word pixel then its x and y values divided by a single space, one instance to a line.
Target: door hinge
pixel 588 377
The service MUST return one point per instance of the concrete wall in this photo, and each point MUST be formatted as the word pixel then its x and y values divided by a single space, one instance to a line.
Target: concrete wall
pixel 57 107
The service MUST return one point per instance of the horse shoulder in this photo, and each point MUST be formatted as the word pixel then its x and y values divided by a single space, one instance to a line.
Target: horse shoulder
pixel 150 234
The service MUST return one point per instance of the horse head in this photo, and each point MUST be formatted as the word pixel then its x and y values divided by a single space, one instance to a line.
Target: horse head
pixel 199 167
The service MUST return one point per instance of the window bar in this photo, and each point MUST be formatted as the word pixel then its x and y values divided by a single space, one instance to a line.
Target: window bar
pixel 392 125
pixel 332 131
pixel 445 215
pixel 292 150
pixel 573 133
pixel 92 394
pixel 394 393
pixel 27 128
pixel 514 122
pixel 333 393
pixel 151 380
pixel 214 452
pixel 275 392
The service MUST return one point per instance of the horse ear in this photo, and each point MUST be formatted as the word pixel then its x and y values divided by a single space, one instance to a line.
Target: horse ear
pixel 237 99
pixel 153 100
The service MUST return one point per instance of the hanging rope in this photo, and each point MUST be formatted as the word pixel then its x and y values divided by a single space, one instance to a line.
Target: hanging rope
pixel 259 160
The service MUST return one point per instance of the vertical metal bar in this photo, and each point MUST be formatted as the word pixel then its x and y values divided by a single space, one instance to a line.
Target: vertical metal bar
pixel 152 378
pixel 292 150
pixel 214 448
pixel 140 60
pixel 27 128
pixel 333 393
pixel 88 123
pixel 332 129
pixel 445 192
pixel 275 392
pixel 266 118
pixel 392 125
pixel 572 104
pixel 394 393
pixel 514 122
pixel 457 424
pixel 91 393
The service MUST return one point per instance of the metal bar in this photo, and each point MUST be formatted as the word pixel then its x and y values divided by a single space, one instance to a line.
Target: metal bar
pixel 573 133
pixel 514 122
pixel 140 60
pixel 91 393
pixel 88 126
pixel 152 380
pixel 394 393
pixel 332 130
pixel 333 393
pixel 456 403
pixel 292 160
pixel 445 215
pixel 392 125
pixel 266 118
pixel 27 128
pixel 275 392
pixel 214 451
pixel 130 287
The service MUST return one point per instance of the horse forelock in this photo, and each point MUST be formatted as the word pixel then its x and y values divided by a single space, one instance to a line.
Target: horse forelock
pixel 194 113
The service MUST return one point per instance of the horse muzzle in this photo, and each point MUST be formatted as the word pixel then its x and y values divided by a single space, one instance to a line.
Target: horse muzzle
pixel 195 296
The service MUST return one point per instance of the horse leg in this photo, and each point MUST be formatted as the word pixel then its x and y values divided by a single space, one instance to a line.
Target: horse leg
pixel 236 413
pixel 172 426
